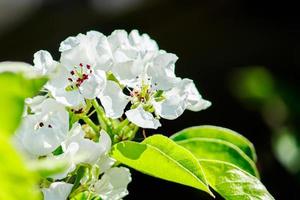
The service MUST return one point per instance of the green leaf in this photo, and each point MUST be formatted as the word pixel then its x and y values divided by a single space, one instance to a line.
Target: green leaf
pixel 233 183
pixel 16 181
pixel 220 133
pixel 160 157
pixel 215 149
pixel 14 89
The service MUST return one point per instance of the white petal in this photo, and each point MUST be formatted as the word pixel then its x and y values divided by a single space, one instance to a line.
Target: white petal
pixel 44 62
pixel 113 100
pixel 69 156
pixel 113 184
pixel 105 140
pixel 117 39
pixel 195 102
pixel 142 118
pixel 143 42
pixel 68 44
pixel 105 163
pixel 163 71
pixel 128 71
pixel 57 191
pixel 172 107
pixel 92 49
pixel 35 103
pixel 92 87
pixel 89 151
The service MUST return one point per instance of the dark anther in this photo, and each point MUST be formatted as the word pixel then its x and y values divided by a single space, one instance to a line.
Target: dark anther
pixel 41 124
pixel 78 111
pixel 49 126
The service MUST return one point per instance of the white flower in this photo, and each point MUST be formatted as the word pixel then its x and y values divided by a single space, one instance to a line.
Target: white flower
pixel 89 151
pixel 81 73
pixel 78 149
pixel 113 184
pixel 149 74
pixel 42 132
pixel 57 191
pixel 72 86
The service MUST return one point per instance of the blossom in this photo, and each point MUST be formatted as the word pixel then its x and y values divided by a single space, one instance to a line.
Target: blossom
pixel 57 191
pixel 81 72
pixel 42 132
pixel 77 149
pixel 113 184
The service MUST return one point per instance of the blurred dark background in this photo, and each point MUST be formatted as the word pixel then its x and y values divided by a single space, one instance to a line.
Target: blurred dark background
pixel 213 39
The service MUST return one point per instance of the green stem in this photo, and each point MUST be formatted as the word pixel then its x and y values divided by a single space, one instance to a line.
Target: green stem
pixel 124 123
pixel 88 121
pixel 104 121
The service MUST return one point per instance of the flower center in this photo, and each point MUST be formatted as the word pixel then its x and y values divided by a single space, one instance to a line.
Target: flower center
pixel 78 76
pixel 144 93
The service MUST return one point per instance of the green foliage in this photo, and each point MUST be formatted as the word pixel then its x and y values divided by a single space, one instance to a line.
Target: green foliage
pixel 233 183
pixel 160 157
pixel 217 133
pixel 225 157
pixel 16 181
pixel 205 154
pixel 209 148
pixel 14 89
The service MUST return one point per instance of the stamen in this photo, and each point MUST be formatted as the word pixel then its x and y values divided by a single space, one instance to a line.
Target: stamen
pixel 88 66
pixel 49 126
pixel 72 72
pixel 81 65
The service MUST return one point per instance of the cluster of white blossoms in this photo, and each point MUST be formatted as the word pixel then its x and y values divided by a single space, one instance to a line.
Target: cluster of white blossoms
pixel 125 82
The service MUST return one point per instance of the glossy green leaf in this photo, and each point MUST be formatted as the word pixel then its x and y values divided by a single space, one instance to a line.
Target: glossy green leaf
pixel 160 157
pixel 220 133
pixel 16 181
pixel 14 89
pixel 215 149
pixel 233 183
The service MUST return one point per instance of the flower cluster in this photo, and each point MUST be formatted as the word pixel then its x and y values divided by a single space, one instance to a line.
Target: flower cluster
pixel 101 91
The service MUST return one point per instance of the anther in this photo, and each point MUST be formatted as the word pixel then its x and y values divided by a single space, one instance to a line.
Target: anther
pixel 41 124
pixel 49 126
pixel 72 72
